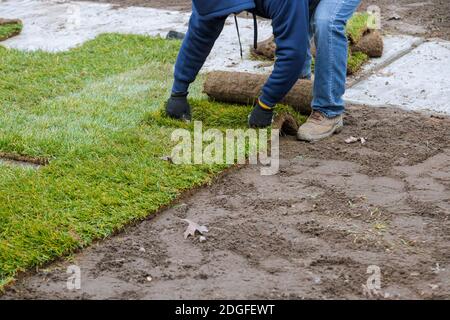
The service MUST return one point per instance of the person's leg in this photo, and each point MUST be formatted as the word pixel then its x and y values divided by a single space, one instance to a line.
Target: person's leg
pixel 330 69
pixel 307 67
pixel 306 71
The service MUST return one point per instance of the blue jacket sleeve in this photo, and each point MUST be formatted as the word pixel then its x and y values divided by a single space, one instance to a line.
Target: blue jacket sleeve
pixel 200 38
pixel 290 20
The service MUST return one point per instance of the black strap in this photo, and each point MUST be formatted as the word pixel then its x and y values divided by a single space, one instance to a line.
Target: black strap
pixel 255 30
pixel 255 34
pixel 312 7
pixel 239 35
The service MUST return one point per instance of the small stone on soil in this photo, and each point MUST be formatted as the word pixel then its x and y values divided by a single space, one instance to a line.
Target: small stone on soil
pixel 351 140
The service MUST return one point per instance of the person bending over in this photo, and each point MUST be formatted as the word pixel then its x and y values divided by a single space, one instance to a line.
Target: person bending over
pixel 290 22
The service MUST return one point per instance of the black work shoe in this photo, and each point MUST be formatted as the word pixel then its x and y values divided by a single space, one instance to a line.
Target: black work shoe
pixel 261 117
pixel 177 107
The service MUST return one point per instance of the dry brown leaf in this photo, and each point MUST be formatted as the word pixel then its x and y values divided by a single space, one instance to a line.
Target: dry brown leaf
pixel 193 227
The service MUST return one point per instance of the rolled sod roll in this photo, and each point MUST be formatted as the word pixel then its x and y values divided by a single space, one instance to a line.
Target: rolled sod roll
pixel 245 88
pixel 265 49
pixel 371 44
pixel 286 123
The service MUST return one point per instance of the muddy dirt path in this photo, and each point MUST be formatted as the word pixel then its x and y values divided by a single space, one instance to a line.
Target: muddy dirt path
pixel 422 18
pixel 309 232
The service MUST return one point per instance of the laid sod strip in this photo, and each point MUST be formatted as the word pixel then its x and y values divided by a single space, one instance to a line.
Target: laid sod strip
pixel 215 115
pixel 31 81
pixel 30 77
pixel 95 112
pixel 9 30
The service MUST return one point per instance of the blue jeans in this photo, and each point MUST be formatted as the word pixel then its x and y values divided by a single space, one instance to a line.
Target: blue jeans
pixel 330 70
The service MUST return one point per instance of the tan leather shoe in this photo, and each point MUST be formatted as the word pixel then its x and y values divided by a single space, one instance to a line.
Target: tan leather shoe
pixel 318 127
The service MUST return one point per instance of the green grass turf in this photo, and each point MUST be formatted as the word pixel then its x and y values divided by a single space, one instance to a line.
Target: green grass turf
pixel 355 62
pixel 95 112
pixel 9 30
pixel 357 25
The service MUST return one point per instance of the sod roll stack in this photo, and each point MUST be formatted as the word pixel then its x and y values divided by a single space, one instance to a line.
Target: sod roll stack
pixel 244 88
pixel 370 43
pixel 364 43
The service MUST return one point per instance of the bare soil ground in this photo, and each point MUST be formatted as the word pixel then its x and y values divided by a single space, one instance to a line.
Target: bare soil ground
pixel 309 232
pixel 425 18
